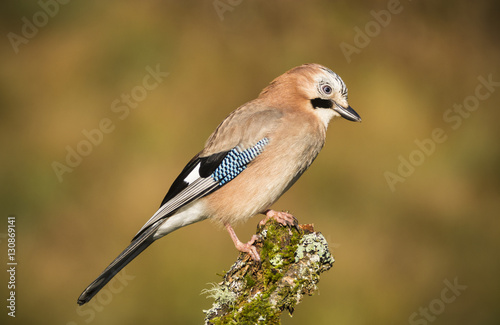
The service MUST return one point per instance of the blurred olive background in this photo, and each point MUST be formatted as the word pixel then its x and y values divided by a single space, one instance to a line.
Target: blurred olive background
pixel 394 248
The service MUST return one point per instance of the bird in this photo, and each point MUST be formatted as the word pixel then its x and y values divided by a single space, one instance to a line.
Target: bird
pixel 254 156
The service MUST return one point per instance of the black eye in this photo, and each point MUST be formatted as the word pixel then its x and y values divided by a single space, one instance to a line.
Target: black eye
pixel 326 89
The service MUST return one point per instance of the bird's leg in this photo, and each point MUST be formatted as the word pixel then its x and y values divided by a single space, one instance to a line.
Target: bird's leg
pixel 244 247
pixel 284 218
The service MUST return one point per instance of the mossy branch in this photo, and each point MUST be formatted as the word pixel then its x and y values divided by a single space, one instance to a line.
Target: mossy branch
pixel 257 293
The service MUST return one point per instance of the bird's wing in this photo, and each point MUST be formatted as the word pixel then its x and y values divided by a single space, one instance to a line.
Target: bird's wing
pixel 209 170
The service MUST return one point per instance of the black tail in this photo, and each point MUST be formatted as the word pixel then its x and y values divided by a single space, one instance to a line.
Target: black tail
pixel 135 248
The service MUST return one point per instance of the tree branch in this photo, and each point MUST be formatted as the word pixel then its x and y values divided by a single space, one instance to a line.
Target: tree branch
pixel 257 293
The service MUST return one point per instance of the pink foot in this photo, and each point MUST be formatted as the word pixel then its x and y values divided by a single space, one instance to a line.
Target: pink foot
pixel 284 218
pixel 248 248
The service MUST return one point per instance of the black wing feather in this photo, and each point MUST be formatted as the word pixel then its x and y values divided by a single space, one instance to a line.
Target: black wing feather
pixel 207 166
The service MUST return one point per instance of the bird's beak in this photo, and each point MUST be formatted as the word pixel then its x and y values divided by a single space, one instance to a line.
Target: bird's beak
pixel 347 112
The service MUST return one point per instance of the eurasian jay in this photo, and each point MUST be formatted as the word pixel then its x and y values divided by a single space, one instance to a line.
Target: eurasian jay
pixel 254 156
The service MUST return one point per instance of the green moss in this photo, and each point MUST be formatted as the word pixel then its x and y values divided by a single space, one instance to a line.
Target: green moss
pixel 254 313
pixel 274 258
pixel 272 248
pixel 250 281
pixel 257 311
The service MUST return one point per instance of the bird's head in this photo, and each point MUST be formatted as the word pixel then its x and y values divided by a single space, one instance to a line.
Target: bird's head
pixel 313 87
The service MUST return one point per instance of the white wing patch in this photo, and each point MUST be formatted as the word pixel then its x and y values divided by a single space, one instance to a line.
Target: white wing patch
pixel 193 175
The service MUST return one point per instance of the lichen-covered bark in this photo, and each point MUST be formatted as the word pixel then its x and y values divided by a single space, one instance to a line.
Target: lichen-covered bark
pixel 292 259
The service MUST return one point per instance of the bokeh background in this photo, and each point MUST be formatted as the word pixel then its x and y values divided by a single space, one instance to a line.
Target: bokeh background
pixel 396 244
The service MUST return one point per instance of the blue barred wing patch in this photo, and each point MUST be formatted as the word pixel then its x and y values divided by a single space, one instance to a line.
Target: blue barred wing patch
pixel 236 161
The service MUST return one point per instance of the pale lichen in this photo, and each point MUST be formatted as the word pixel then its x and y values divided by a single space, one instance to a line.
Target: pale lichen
pixel 315 245
pixel 277 260
pixel 220 294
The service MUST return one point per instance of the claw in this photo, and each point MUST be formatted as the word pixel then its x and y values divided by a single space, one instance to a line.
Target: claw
pixel 284 218
pixel 248 248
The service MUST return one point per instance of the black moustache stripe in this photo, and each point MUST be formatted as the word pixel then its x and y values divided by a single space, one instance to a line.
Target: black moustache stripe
pixel 321 103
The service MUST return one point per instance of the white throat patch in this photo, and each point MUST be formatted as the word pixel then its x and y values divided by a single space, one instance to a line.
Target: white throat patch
pixel 325 115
